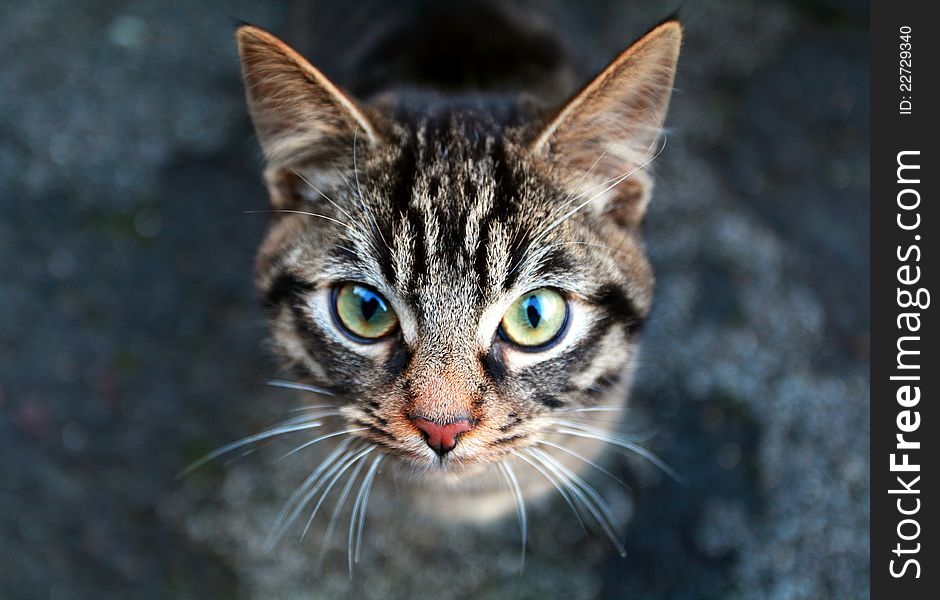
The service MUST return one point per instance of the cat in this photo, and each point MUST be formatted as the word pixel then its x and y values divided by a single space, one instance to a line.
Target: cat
pixel 458 275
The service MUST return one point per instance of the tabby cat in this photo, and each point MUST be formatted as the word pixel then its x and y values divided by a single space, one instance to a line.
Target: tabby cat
pixel 458 277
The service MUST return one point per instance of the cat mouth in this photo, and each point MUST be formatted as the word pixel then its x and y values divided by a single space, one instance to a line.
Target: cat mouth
pixel 426 456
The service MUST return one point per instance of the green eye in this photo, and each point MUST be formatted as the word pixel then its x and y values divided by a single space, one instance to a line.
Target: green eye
pixel 362 312
pixel 536 319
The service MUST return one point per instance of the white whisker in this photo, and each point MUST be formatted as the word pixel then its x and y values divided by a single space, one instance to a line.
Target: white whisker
pixel 605 185
pixel 365 503
pixel 301 424
pixel 579 430
pixel 355 165
pixel 597 161
pixel 298 212
pixel 520 507
pixel 319 439
pixel 312 407
pixel 334 517
pixel 584 460
pixel 587 495
pixel 328 479
pixel 292 385
pixel 534 463
pixel 326 491
pixel 585 243
pixel 636 438
pixel 610 184
pixel 312 413
pixel 317 190
pixel 339 454
pixel 375 226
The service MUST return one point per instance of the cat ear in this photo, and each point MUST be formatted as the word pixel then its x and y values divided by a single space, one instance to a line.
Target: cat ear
pixel 298 113
pixel 601 140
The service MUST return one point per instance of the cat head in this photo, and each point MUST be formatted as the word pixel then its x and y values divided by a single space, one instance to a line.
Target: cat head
pixel 458 272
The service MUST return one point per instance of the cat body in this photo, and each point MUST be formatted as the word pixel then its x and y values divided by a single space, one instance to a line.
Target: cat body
pixel 459 270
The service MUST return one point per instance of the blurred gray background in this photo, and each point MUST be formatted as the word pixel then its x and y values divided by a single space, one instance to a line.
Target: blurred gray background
pixel 131 338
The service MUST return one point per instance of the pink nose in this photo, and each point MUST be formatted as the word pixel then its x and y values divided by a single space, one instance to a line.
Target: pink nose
pixel 442 438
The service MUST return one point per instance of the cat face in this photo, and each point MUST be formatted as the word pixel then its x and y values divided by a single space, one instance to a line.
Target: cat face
pixel 459 274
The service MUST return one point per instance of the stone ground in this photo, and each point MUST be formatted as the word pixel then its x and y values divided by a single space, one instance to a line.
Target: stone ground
pixel 130 339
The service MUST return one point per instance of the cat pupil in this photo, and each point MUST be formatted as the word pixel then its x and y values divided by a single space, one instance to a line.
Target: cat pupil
pixel 368 307
pixel 533 312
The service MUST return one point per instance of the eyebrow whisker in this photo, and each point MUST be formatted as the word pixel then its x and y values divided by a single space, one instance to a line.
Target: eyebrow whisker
pixel 293 385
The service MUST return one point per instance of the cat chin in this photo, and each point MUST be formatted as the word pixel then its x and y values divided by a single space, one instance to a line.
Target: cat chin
pixel 479 508
pixel 472 493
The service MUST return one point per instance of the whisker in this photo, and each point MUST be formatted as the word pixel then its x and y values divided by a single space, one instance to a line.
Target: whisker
pixel 592 419
pixel 584 431
pixel 298 212
pixel 345 179
pixel 520 506
pixel 334 517
pixel 293 385
pixel 312 407
pixel 364 210
pixel 338 455
pixel 617 181
pixel 355 165
pixel 534 463
pixel 302 424
pixel 317 190
pixel 570 197
pixel 375 226
pixel 632 437
pixel 313 412
pixel 616 251
pixel 588 496
pixel 319 439
pixel 606 185
pixel 567 199
pixel 574 491
pixel 584 460
pixel 314 415
pixel 328 479
pixel 350 536
pixel 370 478
pixel 326 491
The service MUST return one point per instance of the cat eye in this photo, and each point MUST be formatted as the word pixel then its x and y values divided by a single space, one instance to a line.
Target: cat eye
pixel 536 319
pixel 362 313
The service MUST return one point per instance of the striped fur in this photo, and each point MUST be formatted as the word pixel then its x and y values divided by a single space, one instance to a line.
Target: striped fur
pixel 452 207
